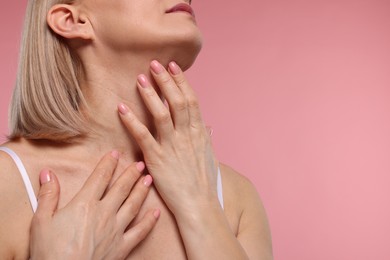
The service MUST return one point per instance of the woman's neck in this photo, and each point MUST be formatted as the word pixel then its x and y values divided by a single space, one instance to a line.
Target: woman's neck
pixel 104 87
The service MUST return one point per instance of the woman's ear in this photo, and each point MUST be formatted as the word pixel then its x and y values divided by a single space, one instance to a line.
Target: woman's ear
pixel 66 21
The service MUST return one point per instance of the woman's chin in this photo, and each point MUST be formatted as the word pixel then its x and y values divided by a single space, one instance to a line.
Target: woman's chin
pixel 186 54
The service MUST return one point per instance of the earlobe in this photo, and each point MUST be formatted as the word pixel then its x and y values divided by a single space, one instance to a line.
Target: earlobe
pixel 66 21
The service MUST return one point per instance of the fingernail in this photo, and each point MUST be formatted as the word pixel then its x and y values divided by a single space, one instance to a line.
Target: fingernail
pixel 157 213
pixel 140 166
pixel 174 68
pixel 143 81
pixel 148 180
pixel 156 67
pixel 123 109
pixel 44 176
pixel 115 154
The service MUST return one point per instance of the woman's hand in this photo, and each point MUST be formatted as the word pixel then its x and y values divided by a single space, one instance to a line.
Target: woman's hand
pixel 94 225
pixel 180 158
pixel 183 165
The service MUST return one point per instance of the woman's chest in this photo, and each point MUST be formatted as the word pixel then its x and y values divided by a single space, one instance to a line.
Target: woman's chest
pixel 163 242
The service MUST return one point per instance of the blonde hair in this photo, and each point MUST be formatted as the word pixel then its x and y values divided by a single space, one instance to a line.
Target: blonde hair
pixel 47 97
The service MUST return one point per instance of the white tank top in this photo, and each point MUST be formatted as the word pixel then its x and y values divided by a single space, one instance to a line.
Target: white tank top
pixel 33 198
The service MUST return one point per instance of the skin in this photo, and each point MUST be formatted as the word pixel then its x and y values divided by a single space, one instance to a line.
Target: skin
pixel 123 84
pixel 94 223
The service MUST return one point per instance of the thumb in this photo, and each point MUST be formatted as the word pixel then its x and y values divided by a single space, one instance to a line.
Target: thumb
pixel 49 194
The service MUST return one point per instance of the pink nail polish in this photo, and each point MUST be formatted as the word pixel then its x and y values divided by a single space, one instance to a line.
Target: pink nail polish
pixel 115 154
pixel 156 67
pixel 123 109
pixel 157 213
pixel 148 180
pixel 140 166
pixel 45 176
pixel 174 68
pixel 143 81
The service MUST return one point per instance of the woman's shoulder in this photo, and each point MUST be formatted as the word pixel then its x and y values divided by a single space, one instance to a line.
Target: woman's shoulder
pixel 14 210
pixel 242 198
pixel 10 179
pixel 8 169
pixel 239 193
pixel 235 182
pixel 9 172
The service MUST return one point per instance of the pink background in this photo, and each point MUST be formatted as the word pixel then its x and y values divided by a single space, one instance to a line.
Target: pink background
pixel 297 93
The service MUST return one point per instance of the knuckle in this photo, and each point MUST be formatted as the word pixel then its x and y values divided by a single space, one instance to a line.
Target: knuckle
pixel 131 119
pixel 180 80
pixel 142 133
pixel 132 175
pixel 195 129
pixel 150 93
pixel 86 209
pixel 133 209
pixel 47 193
pixel 165 79
pixel 143 192
pixel 163 117
pixel 136 205
pixel 82 207
pixel 142 232
pixel 179 104
pixel 123 188
pixel 104 174
pixel 193 102
pixel 160 155
pixel 148 225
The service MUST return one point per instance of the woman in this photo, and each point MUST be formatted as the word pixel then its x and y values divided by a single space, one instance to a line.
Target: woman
pixel 93 74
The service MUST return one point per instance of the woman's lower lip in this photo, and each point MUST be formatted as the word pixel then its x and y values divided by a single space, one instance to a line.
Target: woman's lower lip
pixel 183 8
pixel 182 11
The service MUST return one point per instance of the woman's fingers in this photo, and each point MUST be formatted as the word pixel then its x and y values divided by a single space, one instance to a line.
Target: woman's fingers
pixel 48 196
pixel 188 93
pixel 183 111
pixel 171 92
pixel 98 181
pixel 138 130
pixel 139 232
pixel 156 107
pixel 120 190
pixel 133 203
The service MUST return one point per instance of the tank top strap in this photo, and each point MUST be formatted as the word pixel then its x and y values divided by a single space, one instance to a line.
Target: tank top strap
pixel 219 187
pixel 25 177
